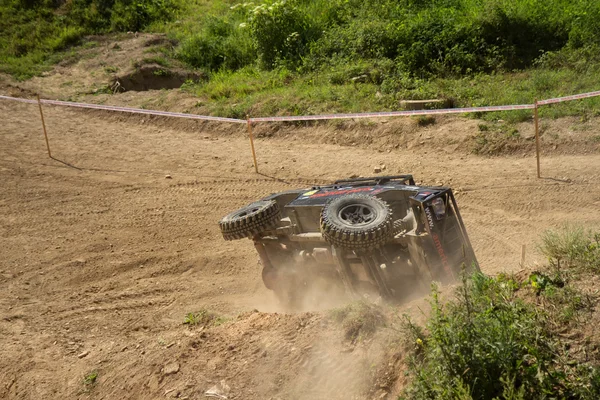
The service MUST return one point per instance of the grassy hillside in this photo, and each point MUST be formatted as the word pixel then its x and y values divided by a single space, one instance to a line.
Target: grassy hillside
pixel 301 56
pixel 36 33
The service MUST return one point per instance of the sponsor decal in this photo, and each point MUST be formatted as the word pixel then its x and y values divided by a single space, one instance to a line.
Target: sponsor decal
pixel 308 194
pixel 438 246
pixel 429 217
pixel 342 191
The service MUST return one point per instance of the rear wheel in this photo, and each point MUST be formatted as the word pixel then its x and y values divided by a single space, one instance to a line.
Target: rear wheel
pixel 357 222
pixel 250 221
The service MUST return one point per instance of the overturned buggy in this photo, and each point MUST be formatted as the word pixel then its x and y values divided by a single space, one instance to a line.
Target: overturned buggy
pixel 381 235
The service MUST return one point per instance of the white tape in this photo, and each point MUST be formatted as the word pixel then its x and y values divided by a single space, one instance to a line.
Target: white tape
pixel 395 113
pixel 309 117
pixel 18 99
pixel 127 109
pixel 569 98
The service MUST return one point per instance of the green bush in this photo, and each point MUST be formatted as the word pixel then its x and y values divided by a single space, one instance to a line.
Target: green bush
pixel 572 246
pixel 33 32
pixel 491 344
pixel 99 16
pixel 281 32
pixel 221 44
pixel 585 30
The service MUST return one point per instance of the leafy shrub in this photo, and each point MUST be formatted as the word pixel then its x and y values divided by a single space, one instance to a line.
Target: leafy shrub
pixel 118 15
pixel 585 30
pixel 491 344
pixel 281 32
pixel 203 318
pixel 575 246
pixel 214 49
pixel 68 36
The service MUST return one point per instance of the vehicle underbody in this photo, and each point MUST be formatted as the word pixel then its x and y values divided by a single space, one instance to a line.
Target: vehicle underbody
pixel 380 236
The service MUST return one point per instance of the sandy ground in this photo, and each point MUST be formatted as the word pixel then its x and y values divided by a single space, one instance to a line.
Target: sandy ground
pixel 102 255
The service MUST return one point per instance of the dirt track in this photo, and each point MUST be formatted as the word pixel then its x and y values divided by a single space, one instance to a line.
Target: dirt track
pixel 104 255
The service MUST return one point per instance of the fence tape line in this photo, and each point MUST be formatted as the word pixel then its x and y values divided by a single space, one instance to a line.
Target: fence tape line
pixel 569 98
pixel 18 99
pixel 309 117
pixel 395 113
pixel 142 111
pixel 128 109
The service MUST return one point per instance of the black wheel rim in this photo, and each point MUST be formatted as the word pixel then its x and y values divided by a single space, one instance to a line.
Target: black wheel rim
pixel 247 211
pixel 357 214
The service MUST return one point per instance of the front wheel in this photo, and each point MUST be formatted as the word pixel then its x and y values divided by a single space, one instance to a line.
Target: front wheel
pixel 357 222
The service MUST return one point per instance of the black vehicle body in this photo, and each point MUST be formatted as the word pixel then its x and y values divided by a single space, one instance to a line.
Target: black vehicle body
pixel 380 235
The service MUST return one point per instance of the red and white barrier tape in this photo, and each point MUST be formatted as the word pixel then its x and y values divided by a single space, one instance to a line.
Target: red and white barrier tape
pixel 569 98
pixel 128 109
pixel 309 117
pixel 394 113
pixel 18 99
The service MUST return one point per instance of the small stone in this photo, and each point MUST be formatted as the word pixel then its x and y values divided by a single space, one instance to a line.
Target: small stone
pixel 377 170
pixel 171 368
pixel 85 353
pixel 383 167
pixel 168 177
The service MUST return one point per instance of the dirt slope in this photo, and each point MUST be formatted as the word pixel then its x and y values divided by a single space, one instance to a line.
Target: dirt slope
pixel 102 255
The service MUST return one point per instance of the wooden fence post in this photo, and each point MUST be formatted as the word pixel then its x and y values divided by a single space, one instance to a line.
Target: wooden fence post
pixel 251 137
pixel 44 126
pixel 537 137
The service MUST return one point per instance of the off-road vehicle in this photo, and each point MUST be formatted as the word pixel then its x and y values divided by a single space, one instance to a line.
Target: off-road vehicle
pixel 382 235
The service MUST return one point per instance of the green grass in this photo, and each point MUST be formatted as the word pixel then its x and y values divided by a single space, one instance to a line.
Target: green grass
pixel 34 35
pixel 359 320
pixel 282 92
pixel 491 343
pixel 203 318
pixel 514 339
pixel 351 56
pixel 572 247
pixel 90 378
pixel 310 57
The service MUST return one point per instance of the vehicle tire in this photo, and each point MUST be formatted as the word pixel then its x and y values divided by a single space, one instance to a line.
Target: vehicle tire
pixel 250 221
pixel 357 222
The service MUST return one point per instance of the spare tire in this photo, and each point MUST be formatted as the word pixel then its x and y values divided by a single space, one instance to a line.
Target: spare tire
pixel 357 222
pixel 250 221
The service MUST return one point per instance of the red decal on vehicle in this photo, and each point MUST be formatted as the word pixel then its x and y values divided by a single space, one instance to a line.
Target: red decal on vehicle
pixel 442 254
pixel 340 192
